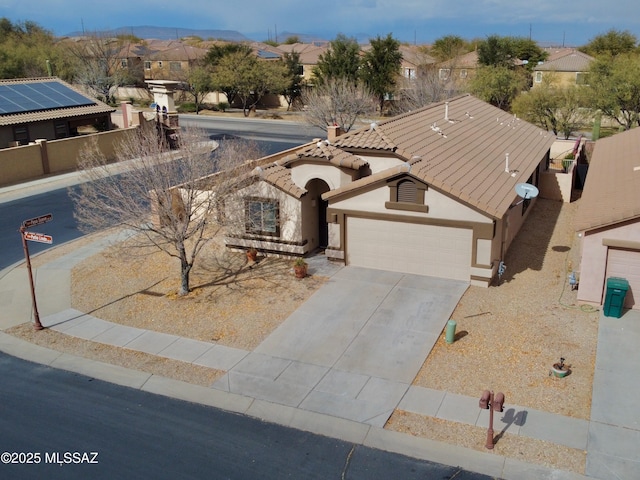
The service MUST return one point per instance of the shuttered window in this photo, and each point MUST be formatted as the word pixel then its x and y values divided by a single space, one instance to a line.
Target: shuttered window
pixel 407 191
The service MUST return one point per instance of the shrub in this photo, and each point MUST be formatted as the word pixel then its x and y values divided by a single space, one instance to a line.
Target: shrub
pixel 187 107
pixel 223 106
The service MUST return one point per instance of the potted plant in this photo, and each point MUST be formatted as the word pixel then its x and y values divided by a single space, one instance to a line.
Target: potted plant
pixel 252 254
pixel 560 369
pixel 300 267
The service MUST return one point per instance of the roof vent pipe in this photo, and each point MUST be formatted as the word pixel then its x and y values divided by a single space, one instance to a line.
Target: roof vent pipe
pixel 446 111
pixel 506 167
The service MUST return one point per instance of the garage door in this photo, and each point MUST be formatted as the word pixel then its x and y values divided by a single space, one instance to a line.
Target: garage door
pixel 409 248
pixel 626 264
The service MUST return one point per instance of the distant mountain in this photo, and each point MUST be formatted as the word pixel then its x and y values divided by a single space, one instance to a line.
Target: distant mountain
pixel 303 37
pixel 170 33
pixel 361 38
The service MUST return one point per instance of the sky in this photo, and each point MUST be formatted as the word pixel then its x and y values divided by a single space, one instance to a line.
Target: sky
pixel 549 22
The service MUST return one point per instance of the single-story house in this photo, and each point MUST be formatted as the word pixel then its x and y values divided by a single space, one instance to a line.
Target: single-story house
pixel 569 68
pixel 46 108
pixel 429 192
pixel 608 219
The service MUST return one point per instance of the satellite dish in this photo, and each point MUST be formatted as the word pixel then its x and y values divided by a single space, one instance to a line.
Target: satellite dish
pixel 526 190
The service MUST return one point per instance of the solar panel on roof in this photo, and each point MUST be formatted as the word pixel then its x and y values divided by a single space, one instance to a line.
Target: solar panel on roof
pixel 32 97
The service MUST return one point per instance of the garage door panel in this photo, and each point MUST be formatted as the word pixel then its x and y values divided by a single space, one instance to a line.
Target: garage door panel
pixel 409 248
pixel 626 264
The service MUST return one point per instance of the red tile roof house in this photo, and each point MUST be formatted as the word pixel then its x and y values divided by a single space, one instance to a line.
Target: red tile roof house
pixel 430 192
pixel 608 219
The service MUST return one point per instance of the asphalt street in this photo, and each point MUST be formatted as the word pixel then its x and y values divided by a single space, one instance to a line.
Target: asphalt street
pixel 62 425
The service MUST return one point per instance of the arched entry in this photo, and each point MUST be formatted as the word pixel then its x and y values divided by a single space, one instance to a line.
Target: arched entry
pixel 316 188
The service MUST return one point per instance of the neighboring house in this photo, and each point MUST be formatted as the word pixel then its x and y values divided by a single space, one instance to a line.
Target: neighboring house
pixel 173 63
pixel 414 61
pixel 460 69
pixel 429 192
pixel 568 68
pixel 131 57
pixel 309 55
pixel 608 218
pixel 46 108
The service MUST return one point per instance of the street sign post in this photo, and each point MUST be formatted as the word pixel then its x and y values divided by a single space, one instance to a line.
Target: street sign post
pixel 34 237
pixel 37 220
pixel 38 237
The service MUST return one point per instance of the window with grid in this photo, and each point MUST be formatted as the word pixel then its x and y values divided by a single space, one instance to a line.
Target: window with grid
pixel 262 216
pixel 147 65
pixel 175 66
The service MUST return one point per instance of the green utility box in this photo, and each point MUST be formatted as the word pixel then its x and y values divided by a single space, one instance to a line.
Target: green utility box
pixel 614 297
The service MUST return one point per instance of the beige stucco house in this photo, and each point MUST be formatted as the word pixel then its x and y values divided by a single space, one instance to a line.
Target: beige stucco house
pixel 430 192
pixel 567 67
pixel 608 219
pixel 174 63
pixel 459 70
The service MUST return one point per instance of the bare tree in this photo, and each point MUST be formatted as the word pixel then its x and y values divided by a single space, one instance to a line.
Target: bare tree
pixel 426 88
pixel 99 63
pixel 168 199
pixel 337 101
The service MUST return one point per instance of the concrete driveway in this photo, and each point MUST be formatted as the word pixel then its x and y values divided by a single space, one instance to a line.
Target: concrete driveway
pixel 353 348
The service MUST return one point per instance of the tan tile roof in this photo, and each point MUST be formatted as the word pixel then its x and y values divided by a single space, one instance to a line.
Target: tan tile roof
pixel 415 55
pixel 309 53
pixel 181 53
pixel 96 108
pixel 323 151
pixel 467 60
pixel 463 154
pixel 611 191
pixel 571 61
pixel 280 177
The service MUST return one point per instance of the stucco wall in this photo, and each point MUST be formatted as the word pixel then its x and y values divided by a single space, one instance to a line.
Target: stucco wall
pixel 560 79
pixel 333 176
pixel 557 185
pixel 593 264
pixel 378 164
pixel 18 164
pixel 290 223
pixel 27 162
pixel 440 206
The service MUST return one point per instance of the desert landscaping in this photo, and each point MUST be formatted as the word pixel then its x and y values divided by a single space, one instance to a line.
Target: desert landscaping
pixel 508 335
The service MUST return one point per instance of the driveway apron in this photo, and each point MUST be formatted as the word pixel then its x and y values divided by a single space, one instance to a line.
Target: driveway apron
pixel 353 348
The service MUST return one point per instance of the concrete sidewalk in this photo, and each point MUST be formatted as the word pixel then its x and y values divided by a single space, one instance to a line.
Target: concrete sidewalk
pixel 345 392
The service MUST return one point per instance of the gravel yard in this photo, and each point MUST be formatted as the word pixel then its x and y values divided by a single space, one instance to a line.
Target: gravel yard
pixel 508 335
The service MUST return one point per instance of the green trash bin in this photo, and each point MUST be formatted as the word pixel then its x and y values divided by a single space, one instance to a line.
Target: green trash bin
pixel 614 297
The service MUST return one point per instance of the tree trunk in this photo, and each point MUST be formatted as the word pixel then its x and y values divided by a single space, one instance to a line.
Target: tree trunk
pixel 185 270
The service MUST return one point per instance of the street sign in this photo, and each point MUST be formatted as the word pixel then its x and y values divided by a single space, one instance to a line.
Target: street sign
pixel 37 220
pixel 38 237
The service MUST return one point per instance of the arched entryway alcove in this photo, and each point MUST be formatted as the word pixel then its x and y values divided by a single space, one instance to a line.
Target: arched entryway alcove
pixel 316 218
